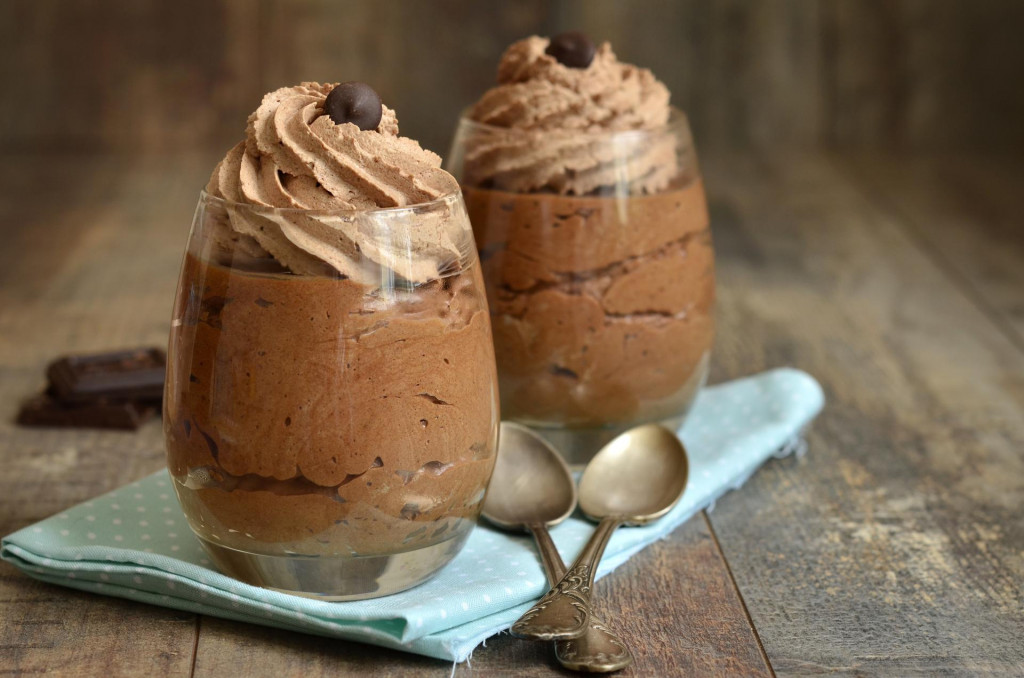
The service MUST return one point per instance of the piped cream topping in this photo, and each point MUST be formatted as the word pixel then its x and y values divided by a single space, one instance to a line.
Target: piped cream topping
pixel 296 157
pixel 555 115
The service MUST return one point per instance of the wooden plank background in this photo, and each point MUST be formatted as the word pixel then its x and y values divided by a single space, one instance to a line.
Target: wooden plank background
pixel 153 76
pixel 894 548
pixel 863 161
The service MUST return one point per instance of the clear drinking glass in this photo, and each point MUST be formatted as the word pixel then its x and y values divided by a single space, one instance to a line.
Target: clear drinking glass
pixel 597 257
pixel 331 433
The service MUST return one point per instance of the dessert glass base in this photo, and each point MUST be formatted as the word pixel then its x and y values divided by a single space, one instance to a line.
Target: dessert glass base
pixel 579 444
pixel 335 578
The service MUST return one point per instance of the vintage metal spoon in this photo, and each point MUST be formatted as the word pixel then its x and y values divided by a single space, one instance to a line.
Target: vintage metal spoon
pixel 533 489
pixel 635 479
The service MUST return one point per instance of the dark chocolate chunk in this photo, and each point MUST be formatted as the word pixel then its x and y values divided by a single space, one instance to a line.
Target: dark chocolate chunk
pixel 210 309
pixel 43 410
pixel 136 375
pixel 572 48
pixel 210 443
pixel 354 102
pixel 560 371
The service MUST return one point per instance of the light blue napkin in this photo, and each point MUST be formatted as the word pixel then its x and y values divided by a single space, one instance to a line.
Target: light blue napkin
pixel 135 543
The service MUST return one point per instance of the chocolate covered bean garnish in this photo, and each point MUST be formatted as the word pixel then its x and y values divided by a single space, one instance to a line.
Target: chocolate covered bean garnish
pixel 572 48
pixel 354 102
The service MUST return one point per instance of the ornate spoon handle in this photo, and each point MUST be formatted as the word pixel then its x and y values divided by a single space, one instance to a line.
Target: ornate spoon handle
pixel 564 613
pixel 598 650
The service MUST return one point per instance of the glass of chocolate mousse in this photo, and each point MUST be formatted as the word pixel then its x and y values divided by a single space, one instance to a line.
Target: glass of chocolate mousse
pixel 587 204
pixel 331 405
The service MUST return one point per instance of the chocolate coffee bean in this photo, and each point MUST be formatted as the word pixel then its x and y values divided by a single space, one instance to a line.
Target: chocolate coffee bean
pixel 354 102
pixel 572 48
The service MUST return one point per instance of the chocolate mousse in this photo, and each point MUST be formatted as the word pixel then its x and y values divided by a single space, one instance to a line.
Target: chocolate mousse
pixel 590 215
pixel 331 386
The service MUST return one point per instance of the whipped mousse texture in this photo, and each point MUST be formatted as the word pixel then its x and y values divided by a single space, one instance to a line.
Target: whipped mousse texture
pixel 558 119
pixel 296 157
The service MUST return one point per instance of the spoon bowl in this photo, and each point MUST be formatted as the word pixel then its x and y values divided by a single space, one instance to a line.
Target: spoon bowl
pixel 533 489
pixel 640 475
pixel 531 483
pixel 635 479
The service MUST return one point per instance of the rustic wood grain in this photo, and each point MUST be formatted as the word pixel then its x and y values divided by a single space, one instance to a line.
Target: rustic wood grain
pixel 60 632
pixel 895 546
pixel 186 74
pixel 674 604
pixel 967 213
pixel 123 75
pixel 89 268
pixel 92 269
pixel 149 76
pixel 918 74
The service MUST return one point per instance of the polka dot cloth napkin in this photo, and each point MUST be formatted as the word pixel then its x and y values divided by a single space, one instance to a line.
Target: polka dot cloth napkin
pixel 135 542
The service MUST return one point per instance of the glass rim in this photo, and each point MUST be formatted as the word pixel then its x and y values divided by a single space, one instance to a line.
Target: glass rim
pixel 677 119
pixel 446 199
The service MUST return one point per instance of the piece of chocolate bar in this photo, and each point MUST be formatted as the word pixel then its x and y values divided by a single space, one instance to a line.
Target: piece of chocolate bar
pixel 44 410
pixel 119 376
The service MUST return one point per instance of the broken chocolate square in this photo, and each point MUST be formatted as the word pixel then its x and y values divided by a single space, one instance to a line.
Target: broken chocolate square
pixel 44 410
pixel 119 376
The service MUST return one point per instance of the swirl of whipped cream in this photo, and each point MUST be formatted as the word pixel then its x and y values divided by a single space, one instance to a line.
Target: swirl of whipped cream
pixel 296 158
pixel 554 126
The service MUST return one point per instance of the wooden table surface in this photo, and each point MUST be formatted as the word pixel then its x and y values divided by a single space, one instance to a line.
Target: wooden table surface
pixel 895 546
